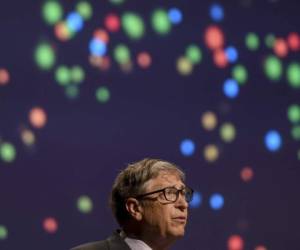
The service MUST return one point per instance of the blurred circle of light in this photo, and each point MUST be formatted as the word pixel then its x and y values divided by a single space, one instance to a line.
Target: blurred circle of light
pixel 293 75
pixel 112 23
pixel 239 73
pixel 280 47
pixel 298 154
pixel 84 204
pixel 144 60
pixel 235 242
pixel 214 37
pixel 293 113
pixel 97 47
pixel 231 53
pixel 260 247
pixel 7 152
pixel 44 56
pixel 252 41
pixel 126 67
pixel 4 77
pixel 193 53
pixel 27 137
pixel 247 174
pixel 216 201
pixel 273 68
pixel 52 12
pixel 117 2
pixel 63 32
pixel 293 41
pixel 270 40
pixel 77 74
pixel 187 147
pixel 175 15
pixel 184 66
pixel 216 12
pixel 273 140
pixel 196 201
pixel 211 153
pixel 231 88
pixel 227 132
pixel 74 21
pixel 3 232
pixel 121 54
pixel 104 63
pixel 160 22
pixel 133 25
pixel 102 35
pixel 62 75
pixel 209 120
pixel 102 94
pixel 296 133
pixel 220 58
pixel 37 117
pixel 50 225
pixel 71 91
pixel 84 8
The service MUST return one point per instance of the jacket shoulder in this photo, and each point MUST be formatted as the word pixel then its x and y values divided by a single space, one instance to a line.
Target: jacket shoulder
pixel 97 245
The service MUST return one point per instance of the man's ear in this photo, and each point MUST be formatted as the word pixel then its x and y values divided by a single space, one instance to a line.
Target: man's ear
pixel 134 208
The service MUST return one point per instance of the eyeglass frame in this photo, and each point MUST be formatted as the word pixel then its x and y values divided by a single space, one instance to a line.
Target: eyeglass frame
pixel 164 190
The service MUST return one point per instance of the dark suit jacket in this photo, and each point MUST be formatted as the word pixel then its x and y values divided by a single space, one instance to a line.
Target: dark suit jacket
pixel 114 242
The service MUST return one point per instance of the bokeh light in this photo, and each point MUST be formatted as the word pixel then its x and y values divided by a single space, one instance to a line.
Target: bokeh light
pixel 231 88
pixel 295 132
pixel 44 56
pixel 84 204
pixel 7 152
pixel 193 53
pixel 247 174
pixel 227 132
pixel 160 21
pixel 112 24
pixel 209 120
pixel 273 140
pixel 144 60
pixel 50 225
pixel 273 68
pixel 97 47
pixel 37 117
pixel 52 12
pixel 85 9
pixel 220 58
pixel 235 242
pixel 293 113
pixel 252 41
pixel 74 21
pixel 77 74
pixel 175 15
pixel 122 54
pixel 216 12
pixel 216 201
pixel 231 54
pixel 293 41
pixel 293 75
pixel 270 40
pixel 211 153
pixel 240 74
pixel 196 201
pixel 103 94
pixel 260 247
pixel 72 91
pixel 62 31
pixel 280 47
pixel 187 147
pixel 184 66
pixel 214 37
pixel 27 136
pixel 4 76
pixel 62 75
pixel 3 232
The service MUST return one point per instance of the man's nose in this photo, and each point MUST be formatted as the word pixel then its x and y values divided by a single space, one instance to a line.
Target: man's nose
pixel 181 202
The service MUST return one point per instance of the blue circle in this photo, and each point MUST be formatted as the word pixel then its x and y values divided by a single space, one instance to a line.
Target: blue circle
pixel 216 12
pixel 187 147
pixel 216 201
pixel 74 21
pixel 196 201
pixel 175 15
pixel 97 47
pixel 231 54
pixel 231 88
pixel 273 140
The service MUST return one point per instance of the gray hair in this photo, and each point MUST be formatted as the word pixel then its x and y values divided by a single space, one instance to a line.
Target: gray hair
pixel 131 181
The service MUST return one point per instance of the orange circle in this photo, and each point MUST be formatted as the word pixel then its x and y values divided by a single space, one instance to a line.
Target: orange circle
pixel 220 58
pixel 280 47
pixel 37 117
pixel 61 31
pixel 293 41
pixel 50 225
pixel 101 35
pixel 4 77
pixel 112 22
pixel 246 174
pixel 214 37
pixel 144 59
pixel 235 242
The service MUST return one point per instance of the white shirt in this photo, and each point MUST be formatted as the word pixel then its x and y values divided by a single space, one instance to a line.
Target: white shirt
pixel 135 244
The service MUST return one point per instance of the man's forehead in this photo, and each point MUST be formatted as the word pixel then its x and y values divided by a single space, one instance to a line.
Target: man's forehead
pixel 165 179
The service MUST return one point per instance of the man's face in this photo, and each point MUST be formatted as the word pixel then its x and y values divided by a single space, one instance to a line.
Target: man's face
pixel 161 217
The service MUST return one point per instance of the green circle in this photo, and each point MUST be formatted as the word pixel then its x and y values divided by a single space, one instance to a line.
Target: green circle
pixel 3 232
pixel 117 2
pixel 44 56
pixel 77 74
pixel 63 75
pixel 52 12
pixel 161 22
pixel 298 154
pixel 293 75
pixel 227 132
pixel 295 132
pixel 193 53
pixel 84 204
pixel 122 54
pixel 252 41
pixel 133 25
pixel 273 68
pixel 102 94
pixel 270 40
pixel 85 10
pixel 294 113
pixel 72 91
pixel 7 152
pixel 239 73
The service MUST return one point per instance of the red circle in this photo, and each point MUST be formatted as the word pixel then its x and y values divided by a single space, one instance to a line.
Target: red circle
pixel 112 22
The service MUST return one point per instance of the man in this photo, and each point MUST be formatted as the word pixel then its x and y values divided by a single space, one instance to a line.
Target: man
pixel 150 201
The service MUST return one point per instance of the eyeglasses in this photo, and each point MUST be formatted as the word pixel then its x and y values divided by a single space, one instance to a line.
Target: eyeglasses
pixel 172 193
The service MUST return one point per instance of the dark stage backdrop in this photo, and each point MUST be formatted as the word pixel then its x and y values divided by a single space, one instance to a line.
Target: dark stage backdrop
pixel 87 87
